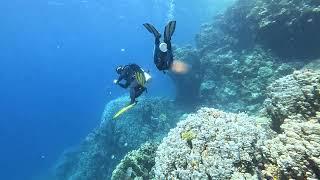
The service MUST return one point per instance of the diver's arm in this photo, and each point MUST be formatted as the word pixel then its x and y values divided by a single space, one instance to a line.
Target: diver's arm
pixel 119 82
pixel 169 46
pixel 169 55
pixel 122 75
pixel 120 78
pixel 124 85
pixel 157 41
pixel 156 50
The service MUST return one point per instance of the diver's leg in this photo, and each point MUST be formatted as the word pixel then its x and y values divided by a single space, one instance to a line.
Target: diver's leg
pixel 169 45
pixel 132 95
pixel 139 91
pixel 157 42
pixel 156 51
pixel 169 56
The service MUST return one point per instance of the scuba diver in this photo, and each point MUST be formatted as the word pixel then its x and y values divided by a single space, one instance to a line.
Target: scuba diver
pixel 135 78
pixel 163 56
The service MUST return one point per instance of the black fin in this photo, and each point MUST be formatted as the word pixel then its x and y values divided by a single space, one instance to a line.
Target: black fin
pixel 152 30
pixel 169 30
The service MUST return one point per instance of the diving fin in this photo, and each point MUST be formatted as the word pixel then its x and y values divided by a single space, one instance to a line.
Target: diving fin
pixel 169 30
pixel 123 110
pixel 152 30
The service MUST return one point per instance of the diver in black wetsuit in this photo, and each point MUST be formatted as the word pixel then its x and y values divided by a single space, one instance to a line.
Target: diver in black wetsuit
pixel 163 56
pixel 135 78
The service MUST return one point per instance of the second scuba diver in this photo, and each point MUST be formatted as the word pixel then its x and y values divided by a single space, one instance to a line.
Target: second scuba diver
pixel 163 56
pixel 135 78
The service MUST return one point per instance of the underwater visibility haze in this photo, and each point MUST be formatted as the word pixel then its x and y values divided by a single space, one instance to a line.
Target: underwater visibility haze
pixel 240 99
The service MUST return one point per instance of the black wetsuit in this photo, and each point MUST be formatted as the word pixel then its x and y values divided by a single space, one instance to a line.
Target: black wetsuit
pixel 163 60
pixel 128 74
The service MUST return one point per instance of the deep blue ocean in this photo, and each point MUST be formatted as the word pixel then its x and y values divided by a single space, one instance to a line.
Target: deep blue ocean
pixel 57 64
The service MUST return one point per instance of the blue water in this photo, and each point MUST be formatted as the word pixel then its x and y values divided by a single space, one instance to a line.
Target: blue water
pixel 57 62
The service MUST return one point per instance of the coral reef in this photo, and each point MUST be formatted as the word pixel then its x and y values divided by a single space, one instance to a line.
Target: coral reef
pixel 188 135
pixel 136 164
pixel 237 81
pixel 297 93
pixel 241 63
pixel 102 149
pixel 293 105
pixel 296 151
pixel 226 145
pixel 288 27
pixel 228 79
pixel 246 48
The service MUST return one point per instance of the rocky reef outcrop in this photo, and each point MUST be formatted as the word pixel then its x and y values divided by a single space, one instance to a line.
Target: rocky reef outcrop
pixel 211 144
pixel 137 164
pixel 229 80
pixel 102 149
pixel 236 81
pixel 288 27
pixel 246 48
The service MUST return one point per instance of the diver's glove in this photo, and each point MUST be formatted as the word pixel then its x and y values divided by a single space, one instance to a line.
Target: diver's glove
pixel 115 81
